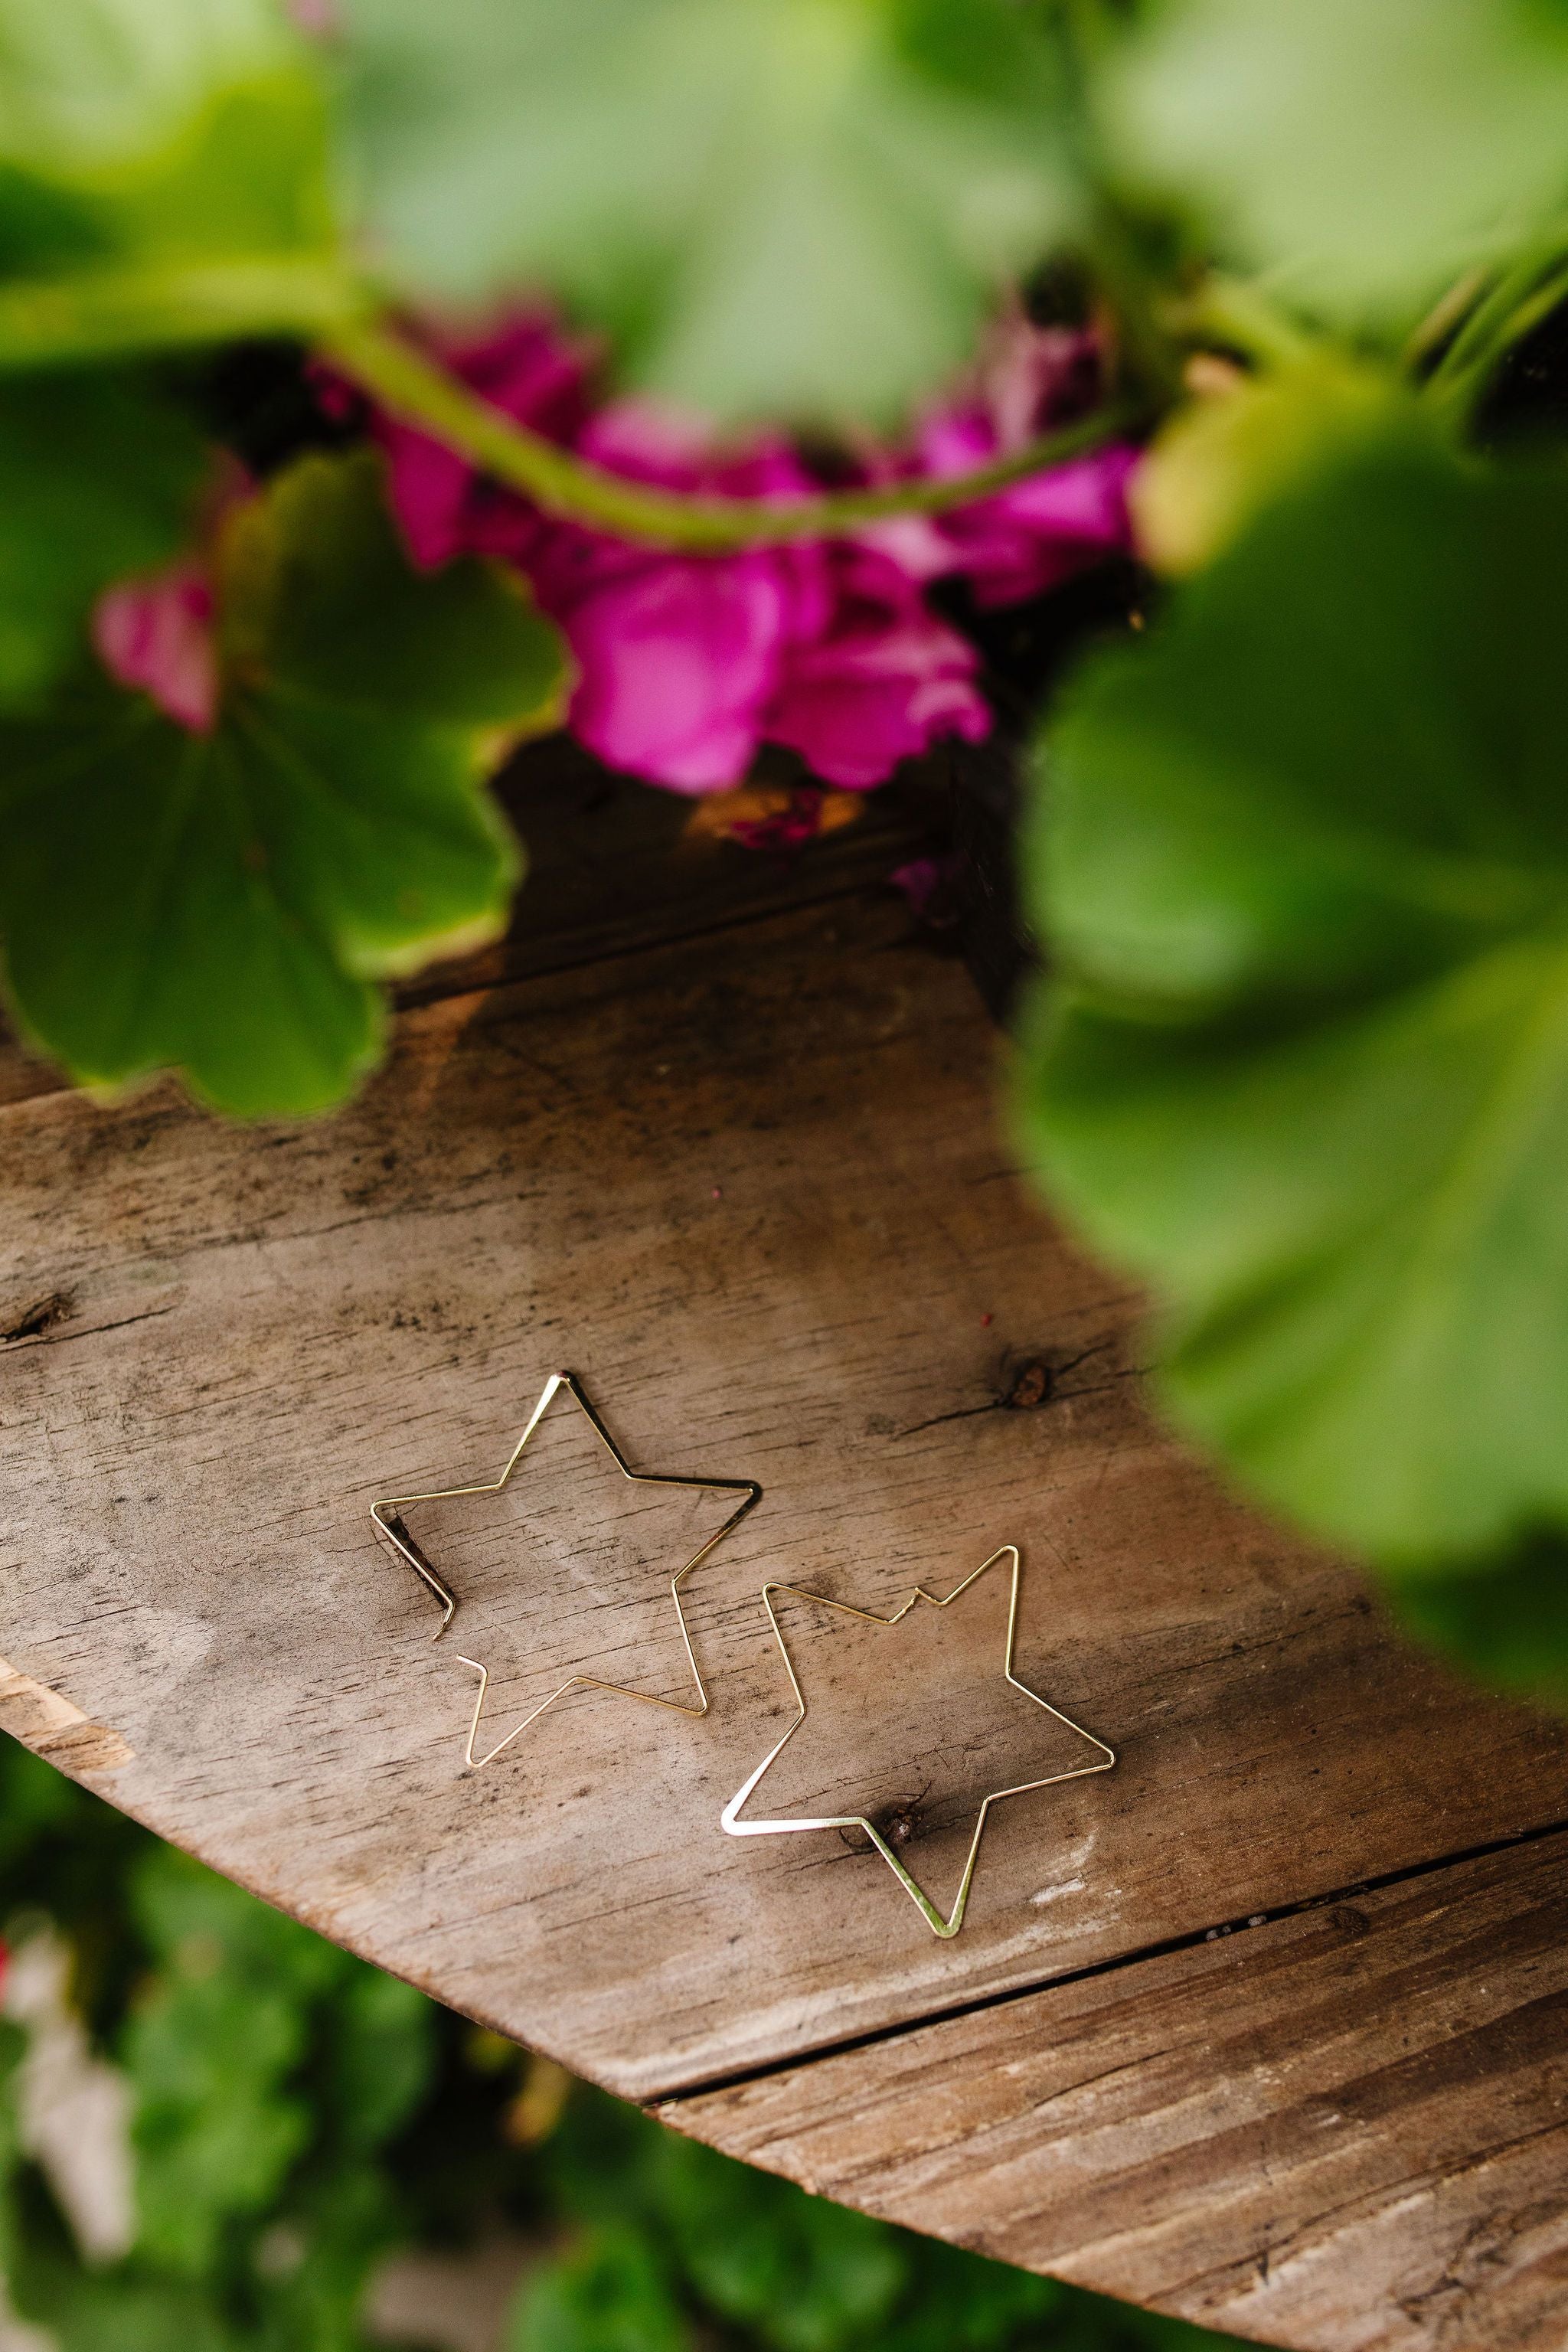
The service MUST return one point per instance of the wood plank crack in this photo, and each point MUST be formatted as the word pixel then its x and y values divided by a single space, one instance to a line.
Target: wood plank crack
pixel 666 2102
pixel 1322 2139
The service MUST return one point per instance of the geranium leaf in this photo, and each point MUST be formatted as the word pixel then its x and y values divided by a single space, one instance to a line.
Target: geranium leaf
pixel 223 903
pixel 1363 154
pixel 90 85
pixel 321 594
pixel 1223 457
pixel 139 140
pixel 779 207
pixel 165 177
pixel 97 479
pixel 612 2291
pixel 1304 859
pixel 216 903
pixel 1507 1621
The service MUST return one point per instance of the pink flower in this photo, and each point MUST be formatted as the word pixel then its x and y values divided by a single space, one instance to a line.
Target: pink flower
pixel 686 663
pixel 679 656
pixel 1040 530
pixel 530 372
pixel 879 682
pixel 676 662
pixel 156 633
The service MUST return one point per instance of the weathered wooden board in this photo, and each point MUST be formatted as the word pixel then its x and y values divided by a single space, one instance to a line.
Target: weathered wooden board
pixel 749 1185
pixel 266 1330
pixel 1348 2128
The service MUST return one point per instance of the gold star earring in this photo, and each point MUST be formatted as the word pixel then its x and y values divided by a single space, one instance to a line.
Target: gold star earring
pixel 388 1517
pixel 939 1926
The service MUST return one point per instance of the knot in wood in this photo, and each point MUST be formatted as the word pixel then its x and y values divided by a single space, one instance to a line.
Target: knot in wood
pixel 1031 1387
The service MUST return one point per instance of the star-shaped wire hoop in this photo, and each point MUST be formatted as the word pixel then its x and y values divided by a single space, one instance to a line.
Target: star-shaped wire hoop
pixel 387 1516
pixel 927 1908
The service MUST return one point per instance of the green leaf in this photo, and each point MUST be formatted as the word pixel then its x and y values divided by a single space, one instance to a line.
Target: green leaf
pixel 1362 154
pixel 214 2050
pixel 13 2049
pixel 381 2052
pixel 610 2294
pixel 37 1803
pixel 97 479
pixel 114 2311
pixel 1303 857
pixel 215 2131
pixel 42 229
pixel 223 903
pixel 90 84
pixel 165 177
pixel 779 207
pixel 323 598
pixel 959 2301
pixel 1506 1621
pixel 188 1913
pixel 807 2276
pixel 212 903
pixel 1227 456
pixel 314 2263
pixel 803 2274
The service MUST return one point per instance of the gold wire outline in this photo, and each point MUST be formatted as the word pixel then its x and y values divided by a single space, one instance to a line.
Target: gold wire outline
pixel 933 1917
pixel 391 1526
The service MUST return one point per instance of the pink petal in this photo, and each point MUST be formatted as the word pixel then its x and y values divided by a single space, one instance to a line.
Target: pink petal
pixel 529 370
pixel 429 485
pixel 955 441
pixel 1042 529
pixel 658 444
pixel 916 543
pixel 1024 538
pixel 882 684
pixel 1031 378
pixel 156 635
pixel 676 662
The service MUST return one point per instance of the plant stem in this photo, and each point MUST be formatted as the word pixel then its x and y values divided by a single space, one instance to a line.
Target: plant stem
pixel 413 388
pixel 1442 320
pixel 1237 311
pixel 1516 304
pixel 98 313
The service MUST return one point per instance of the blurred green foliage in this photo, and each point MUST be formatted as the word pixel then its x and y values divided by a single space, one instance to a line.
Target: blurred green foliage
pixel 1304 1060
pixel 166 176
pixel 97 473
pixel 778 207
pixel 1361 155
pixel 299 2117
pixel 329 828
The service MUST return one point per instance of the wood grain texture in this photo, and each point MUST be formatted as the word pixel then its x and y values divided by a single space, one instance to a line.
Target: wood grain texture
pixel 750 1186
pixel 1347 2129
